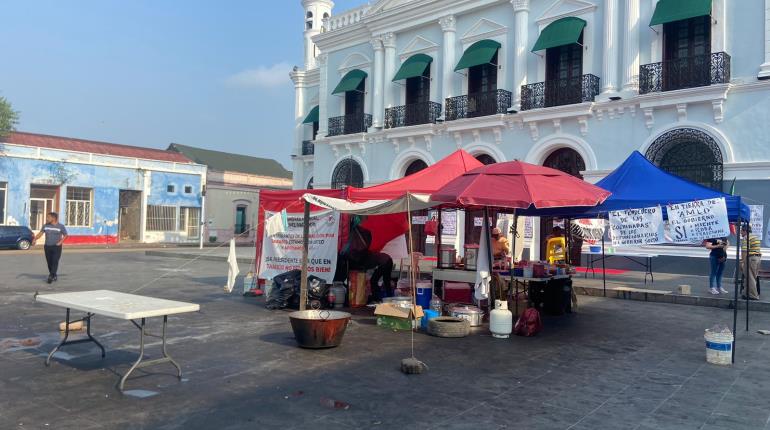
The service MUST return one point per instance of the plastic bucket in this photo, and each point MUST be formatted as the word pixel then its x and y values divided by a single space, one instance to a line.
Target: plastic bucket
pixel 719 348
pixel 595 249
pixel 429 314
pixel 424 294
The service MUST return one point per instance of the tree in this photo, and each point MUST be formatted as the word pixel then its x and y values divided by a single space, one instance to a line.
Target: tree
pixel 8 117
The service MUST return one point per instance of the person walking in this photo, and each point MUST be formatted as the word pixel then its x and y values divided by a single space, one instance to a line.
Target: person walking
pixel 55 233
pixel 717 258
pixel 751 250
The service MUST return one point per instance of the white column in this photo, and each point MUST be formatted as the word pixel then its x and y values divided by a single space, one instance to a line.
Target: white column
pixel 389 43
pixel 631 48
pixel 300 110
pixel 656 50
pixel 323 97
pixel 378 82
pixel 764 69
pixel 449 27
pixel 718 28
pixel 609 77
pixel 521 36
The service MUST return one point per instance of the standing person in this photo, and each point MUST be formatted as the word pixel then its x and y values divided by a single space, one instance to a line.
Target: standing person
pixel 55 233
pixel 751 249
pixel 717 258
pixel 501 247
pixel 358 254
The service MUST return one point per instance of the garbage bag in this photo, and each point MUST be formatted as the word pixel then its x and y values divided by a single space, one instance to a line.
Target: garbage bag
pixel 286 292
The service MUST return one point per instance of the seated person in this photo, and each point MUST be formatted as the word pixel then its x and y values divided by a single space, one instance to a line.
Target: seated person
pixel 357 253
pixel 501 248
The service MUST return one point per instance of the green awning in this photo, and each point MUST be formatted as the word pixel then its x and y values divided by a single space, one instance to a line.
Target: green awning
pixel 413 67
pixel 676 10
pixel 350 81
pixel 477 54
pixel 312 116
pixel 561 32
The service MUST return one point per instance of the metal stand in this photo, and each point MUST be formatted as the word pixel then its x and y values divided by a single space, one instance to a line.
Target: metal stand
pixel 139 363
pixel 646 263
pixel 66 341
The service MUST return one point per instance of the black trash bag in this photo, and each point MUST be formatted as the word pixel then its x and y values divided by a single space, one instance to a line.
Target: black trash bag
pixel 286 292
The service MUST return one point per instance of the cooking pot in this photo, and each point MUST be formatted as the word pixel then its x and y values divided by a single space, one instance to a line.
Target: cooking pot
pixel 472 314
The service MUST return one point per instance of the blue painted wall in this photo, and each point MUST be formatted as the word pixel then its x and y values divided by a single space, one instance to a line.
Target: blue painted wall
pixel 106 182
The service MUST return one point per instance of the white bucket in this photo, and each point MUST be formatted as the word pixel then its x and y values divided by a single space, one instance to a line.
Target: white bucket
pixel 719 347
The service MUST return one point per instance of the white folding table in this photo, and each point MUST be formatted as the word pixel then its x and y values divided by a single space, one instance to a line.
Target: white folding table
pixel 122 306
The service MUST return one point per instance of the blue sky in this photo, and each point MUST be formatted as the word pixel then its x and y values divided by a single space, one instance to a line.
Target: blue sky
pixel 148 72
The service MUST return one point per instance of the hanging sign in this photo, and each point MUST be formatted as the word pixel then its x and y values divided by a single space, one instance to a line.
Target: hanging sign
pixel 757 219
pixel 282 252
pixel 697 221
pixel 637 226
pixel 528 227
pixel 419 219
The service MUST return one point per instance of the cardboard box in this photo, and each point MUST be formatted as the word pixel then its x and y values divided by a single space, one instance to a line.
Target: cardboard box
pixel 398 318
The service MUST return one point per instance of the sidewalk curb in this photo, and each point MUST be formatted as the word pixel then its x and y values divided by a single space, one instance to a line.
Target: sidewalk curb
pixel 189 256
pixel 626 293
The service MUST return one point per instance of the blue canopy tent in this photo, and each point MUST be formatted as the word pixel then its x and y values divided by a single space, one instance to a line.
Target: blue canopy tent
pixel 638 183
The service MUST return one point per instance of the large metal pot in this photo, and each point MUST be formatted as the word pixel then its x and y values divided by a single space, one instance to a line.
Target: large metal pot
pixel 472 314
pixel 316 329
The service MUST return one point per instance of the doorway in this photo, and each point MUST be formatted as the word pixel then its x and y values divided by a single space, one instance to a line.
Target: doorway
pixel 42 200
pixel 130 216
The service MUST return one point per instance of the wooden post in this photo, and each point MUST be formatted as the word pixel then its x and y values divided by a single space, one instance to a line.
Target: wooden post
pixel 604 268
pixel 305 246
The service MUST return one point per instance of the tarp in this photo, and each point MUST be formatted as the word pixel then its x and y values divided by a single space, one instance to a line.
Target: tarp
pixel 426 181
pixel 409 202
pixel 638 183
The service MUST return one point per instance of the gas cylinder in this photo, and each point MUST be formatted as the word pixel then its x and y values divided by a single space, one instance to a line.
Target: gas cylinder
pixel 501 320
pixel 339 292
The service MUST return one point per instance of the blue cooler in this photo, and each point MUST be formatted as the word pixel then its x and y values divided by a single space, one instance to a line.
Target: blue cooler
pixel 424 294
pixel 429 315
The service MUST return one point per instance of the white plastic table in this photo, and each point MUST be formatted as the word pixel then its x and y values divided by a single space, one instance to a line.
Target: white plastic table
pixel 122 306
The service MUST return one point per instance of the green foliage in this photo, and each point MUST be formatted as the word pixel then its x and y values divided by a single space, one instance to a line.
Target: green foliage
pixel 8 117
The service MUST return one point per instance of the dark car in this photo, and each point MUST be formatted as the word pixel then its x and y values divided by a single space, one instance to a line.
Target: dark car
pixel 18 237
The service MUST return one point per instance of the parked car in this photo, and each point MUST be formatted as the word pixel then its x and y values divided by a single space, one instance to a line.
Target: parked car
pixel 18 237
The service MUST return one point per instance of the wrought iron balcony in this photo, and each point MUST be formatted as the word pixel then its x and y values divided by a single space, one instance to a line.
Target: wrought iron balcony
pixel 559 92
pixel 478 104
pixel 308 148
pixel 689 72
pixel 412 114
pixel 349 124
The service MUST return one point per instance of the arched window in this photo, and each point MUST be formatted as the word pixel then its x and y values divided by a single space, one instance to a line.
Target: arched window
pixel 485 159
pixel 309 14
pixel 309 21
pixel 414 167
pixel 326 15
pixel 310 184
pixel 567 160
pixel 691 154
pixel 347 173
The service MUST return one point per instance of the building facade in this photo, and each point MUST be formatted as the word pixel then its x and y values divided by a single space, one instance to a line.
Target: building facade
pixel 104 193
pixel 572 84
pixel 233 183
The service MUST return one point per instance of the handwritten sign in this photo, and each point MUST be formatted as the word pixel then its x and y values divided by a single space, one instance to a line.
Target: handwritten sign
pixel 283 251
pixel 419 219
pixel 699 220
pixel 757 219
pixel 528 228
pixel 637 226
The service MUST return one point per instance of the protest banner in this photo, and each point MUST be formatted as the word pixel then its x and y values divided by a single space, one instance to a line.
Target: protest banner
pixel 282 252
pixel 637 226
pixel 699 220
pixel 757 220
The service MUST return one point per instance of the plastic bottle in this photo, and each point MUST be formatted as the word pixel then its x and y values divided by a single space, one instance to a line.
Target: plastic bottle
pixel 436 304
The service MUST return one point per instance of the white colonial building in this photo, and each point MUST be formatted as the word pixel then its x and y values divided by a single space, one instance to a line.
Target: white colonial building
pixel 573 84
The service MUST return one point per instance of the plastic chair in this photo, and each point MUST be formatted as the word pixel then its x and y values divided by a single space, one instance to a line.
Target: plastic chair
pixel 554 250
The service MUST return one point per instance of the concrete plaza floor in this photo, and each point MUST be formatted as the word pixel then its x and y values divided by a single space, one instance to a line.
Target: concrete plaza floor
pixel 614 364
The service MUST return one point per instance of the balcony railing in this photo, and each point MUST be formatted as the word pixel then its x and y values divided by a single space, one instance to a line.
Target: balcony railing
pixel 689 72
pixel 478 104
pixel 412 114
pixel 349 124
pixel 559 92
pixel 308 148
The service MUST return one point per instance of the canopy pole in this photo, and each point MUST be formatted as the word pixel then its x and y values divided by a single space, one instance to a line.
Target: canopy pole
pixel 513 263
pixel 737 282
pixel 604 268
pixel 438 240
pixel 746 274
pixel 487 231
pixel 568 242
pixel 305 246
